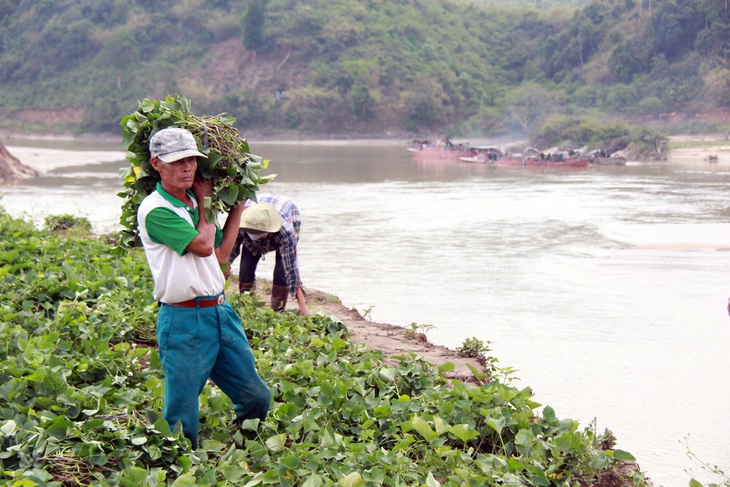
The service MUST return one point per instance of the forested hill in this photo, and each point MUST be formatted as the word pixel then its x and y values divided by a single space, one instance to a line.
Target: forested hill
pixel 550 69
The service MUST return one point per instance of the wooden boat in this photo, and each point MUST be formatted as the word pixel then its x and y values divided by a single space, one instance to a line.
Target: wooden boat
pixel 494 156
pixel 608 161
pixel 564 157
pixel 443 149
pixel 603 158
pixel 532 158
pixel 484 154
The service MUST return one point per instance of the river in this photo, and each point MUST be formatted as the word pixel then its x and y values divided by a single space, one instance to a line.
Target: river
pixel 602 288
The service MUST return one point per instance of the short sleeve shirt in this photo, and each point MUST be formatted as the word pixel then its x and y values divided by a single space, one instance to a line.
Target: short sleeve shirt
pixel 167 226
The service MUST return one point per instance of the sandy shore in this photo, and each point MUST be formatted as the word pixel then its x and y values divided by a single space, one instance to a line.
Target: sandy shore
pixel 47 159
pixel 706 151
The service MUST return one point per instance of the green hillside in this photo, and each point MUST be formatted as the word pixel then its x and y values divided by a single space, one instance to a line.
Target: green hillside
pixel 557 71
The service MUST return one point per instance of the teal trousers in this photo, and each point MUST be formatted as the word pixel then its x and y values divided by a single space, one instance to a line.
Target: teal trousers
pixel 196 344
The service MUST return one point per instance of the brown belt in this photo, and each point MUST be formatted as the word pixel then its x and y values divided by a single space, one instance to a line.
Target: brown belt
pixel 200 302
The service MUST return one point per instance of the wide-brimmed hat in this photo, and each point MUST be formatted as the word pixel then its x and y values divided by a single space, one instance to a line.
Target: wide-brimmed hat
pixel 261 217
pixel 172 144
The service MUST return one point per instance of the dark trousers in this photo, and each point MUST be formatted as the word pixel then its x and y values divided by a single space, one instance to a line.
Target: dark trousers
pixel 249 261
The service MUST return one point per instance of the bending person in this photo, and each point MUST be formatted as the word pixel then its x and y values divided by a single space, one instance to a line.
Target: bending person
pixel 272 224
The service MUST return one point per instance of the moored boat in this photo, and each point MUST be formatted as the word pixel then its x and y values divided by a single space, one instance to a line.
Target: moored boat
pixel 603 158
pixel 443 149
pixel 608 161
pixel 563 157
pixel 494 156
pixel 483 153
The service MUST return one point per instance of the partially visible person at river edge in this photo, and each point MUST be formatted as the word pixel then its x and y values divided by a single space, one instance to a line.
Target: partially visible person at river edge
pixel 199 334
pixel 272 224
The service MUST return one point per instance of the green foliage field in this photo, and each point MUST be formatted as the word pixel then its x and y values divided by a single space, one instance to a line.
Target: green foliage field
pixel 81 393
pixel 343 67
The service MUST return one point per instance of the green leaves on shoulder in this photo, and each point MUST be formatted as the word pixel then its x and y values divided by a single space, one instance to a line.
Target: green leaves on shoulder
pixel 234 171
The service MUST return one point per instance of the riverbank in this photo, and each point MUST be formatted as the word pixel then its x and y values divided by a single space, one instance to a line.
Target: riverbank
pixel 709 147
pixel 391 340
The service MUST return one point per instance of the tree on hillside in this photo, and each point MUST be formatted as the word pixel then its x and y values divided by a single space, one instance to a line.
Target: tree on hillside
pixel 528 105
pixel 362 102
pixel 7 7
pixel 714 39
pixel 627 60
pixel 582 38
pixel 674 27
pixel 254 25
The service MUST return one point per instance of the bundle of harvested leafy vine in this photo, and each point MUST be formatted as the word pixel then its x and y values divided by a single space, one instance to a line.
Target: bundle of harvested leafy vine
pixel 234 170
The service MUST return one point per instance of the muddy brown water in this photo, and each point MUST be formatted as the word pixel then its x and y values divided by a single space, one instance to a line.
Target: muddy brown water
pixel 603 288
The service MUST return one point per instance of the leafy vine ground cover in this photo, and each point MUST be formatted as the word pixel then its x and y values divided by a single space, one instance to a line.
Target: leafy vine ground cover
pixel 81 395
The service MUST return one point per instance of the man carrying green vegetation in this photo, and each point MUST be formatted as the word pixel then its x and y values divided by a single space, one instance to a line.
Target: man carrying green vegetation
pixel 199 334
pixel 272 224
